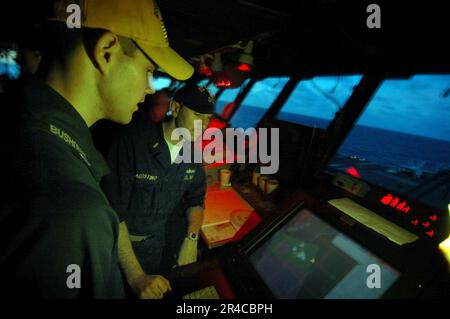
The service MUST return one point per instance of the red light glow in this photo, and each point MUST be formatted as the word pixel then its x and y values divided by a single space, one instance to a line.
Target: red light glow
pixel 204 70
pixel 223 83
pixel 353 172
pixel 386 200
pixel 395 202
pixel 216 123
pixel 400 205
pixel 244 67
pixel 227 110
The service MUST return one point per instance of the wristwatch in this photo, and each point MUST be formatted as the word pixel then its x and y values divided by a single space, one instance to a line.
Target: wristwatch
pixel 192 236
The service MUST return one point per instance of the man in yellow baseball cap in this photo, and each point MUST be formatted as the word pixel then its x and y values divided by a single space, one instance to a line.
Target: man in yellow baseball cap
pixel 59 232
pixel 139 20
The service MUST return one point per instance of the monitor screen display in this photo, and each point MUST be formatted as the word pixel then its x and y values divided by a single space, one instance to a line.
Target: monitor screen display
pixel 401 142
pixel 307 258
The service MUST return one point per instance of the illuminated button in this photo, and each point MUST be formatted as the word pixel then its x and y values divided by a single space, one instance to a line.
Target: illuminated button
pixel 395 201
pixel 401 205
pixel 386 199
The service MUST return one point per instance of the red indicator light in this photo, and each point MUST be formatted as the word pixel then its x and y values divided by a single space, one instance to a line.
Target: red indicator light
pixel 433 218
pixel 426 224
pixel 401 206
pixel 395 202
pixel 390 200
pixel 386 199
pixel 223 83
pixel 353 172
pixel 430 233
pixel 415 222
pixel 204 70
pixel 244 67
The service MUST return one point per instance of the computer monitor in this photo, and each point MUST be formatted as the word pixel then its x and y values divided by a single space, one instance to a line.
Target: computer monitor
pixel 308 258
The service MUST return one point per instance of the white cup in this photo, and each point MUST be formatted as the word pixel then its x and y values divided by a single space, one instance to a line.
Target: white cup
pixel 224 175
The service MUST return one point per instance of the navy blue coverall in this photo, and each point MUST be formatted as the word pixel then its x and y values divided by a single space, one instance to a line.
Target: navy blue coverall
pixel 145 188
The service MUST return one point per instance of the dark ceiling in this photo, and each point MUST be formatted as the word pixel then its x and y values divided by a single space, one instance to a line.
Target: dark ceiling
pixel 311 37
pixel 299 36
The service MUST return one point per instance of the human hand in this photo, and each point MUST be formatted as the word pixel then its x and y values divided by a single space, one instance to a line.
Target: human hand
pixel 151 286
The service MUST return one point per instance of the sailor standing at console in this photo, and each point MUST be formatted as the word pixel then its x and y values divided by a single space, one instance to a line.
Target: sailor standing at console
pixel 146 185
pixel 55 219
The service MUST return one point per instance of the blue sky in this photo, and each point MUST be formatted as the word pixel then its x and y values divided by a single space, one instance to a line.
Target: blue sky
pixel 161 83
pixel 415 105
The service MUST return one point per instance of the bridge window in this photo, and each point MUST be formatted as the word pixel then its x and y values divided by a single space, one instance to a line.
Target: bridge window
pixel 213 89
pixel 160 83
pixel 402 140
pixel 227 96
pixel 257 102
pixel 9 65
pixel 314 102
pixel 204 82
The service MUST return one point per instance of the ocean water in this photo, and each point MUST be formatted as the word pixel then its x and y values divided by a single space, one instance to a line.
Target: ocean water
pixel 397 150
pixel 384 147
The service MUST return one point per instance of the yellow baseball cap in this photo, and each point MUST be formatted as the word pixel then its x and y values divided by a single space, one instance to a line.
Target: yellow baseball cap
pixel 139 20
